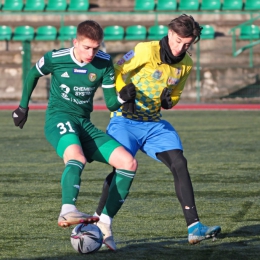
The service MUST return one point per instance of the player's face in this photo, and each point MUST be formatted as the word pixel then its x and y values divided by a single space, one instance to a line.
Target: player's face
pixel 85 49
pixel 179 45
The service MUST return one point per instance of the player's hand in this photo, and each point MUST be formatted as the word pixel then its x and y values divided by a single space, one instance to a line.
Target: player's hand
pixel 166 101
pixel 129 106
pixel 19 116
pixel 128 92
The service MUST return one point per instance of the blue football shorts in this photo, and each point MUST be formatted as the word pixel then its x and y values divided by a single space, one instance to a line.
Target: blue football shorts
pixel 149 137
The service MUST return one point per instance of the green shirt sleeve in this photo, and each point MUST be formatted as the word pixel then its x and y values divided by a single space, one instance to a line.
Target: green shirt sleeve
pixel 113 102
pixel 30 83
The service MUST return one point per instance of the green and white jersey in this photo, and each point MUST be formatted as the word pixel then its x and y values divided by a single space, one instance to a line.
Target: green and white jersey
pixel 73 84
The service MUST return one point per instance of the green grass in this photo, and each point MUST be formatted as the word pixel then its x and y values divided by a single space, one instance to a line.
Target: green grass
pixel 223 150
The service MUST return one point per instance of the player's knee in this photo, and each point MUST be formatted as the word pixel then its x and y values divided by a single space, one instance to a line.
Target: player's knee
pixel 74 152
pixel 133 164
pixel 178 160
pixel 78 157
pixel 128 163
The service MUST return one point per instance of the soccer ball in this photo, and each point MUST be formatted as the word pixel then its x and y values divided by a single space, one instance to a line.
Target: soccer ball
pixel 86 238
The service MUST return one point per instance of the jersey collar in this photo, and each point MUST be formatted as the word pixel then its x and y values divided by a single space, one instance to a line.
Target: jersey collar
pixel 81 64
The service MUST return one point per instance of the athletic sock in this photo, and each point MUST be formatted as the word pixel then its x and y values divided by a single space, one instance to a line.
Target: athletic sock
pixel 67 208
pixel 105 219
pixel 70 181
pixel 118 191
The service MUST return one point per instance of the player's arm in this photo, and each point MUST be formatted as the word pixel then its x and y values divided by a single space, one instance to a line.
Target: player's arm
pixel 30 84
pixel 170 99
pixel 124 89
pixel 176 93
pixel 21 113
pixel 114 99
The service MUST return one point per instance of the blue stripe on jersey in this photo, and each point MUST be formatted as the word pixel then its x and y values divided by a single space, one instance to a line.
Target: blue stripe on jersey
pixel 103 55
pixel 62 52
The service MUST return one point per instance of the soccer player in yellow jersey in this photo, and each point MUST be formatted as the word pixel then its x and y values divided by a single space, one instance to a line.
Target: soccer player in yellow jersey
pixel 158 70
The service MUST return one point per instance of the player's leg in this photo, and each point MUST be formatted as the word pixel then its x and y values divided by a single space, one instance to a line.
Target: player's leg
pixel 106 149
pixel 177 163
pixel 104 193
pixel 164 145
pixel 62 133
pixel 125 132
pixel 125 167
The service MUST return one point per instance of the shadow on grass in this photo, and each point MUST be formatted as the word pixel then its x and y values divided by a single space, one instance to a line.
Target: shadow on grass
pixel 243 244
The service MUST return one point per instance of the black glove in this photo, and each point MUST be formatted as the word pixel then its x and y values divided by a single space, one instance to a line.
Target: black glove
pixel 166 101
pixel 20 115
pixel 128 92
pixel 129 106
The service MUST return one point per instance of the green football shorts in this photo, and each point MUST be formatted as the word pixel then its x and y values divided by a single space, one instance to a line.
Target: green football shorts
pixel 64 130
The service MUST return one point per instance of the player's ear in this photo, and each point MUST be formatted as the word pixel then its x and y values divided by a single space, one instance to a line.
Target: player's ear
pixel 170 33
pixel 75 42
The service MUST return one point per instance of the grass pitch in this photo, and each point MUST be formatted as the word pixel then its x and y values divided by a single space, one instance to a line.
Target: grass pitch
pixel 222 148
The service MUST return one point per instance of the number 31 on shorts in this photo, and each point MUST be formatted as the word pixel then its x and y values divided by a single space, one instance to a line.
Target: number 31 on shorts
pixel 65 127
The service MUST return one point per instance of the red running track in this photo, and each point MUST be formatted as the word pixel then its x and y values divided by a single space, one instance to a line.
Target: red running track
pixel 177 107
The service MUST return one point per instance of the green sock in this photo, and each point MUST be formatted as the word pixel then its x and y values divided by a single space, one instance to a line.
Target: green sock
pixel 118 191
pixel 70 181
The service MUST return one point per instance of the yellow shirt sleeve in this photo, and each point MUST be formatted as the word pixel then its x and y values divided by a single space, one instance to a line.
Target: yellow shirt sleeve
pixel 129 63
pixel 119 81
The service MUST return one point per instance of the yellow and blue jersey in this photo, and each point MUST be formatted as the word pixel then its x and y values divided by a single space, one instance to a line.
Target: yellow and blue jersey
pixel 142 66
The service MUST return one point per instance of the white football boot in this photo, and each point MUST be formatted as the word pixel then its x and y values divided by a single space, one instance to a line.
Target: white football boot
pixel 108 239
pixel 75 218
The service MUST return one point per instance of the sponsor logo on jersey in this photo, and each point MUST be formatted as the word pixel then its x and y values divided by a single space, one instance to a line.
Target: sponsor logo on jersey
pixel 157 74
pixel 65 90
pixel 92 77
pixel 129 55
pixel 83 91
pixel 80 71
pixel 120 62
pixel 172 81
pixel 112 76
pixel 65 75
pixel 41 62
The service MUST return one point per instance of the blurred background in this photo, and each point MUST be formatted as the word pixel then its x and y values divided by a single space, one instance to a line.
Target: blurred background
pixel 226 60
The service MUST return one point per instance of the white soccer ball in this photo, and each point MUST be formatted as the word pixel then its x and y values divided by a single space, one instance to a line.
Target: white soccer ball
pixel 86 238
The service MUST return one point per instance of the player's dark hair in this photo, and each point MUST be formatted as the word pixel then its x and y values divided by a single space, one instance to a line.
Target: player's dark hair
pixel 185 26
pixel 90 29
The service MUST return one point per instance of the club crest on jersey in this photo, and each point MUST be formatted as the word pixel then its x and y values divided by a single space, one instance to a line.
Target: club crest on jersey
pixel 157 74
pixel 80 71
pixel 120 62
pixel 92 76
pixel 172 81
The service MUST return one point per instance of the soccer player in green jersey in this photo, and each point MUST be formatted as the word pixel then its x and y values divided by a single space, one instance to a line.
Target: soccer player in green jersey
pixel 77 72
pixel 159 70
